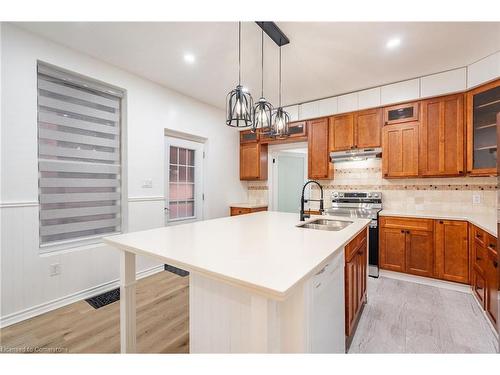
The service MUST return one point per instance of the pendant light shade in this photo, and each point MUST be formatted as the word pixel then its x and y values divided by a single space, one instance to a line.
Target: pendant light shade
pixel 262 112
pixel 239 103
pixel 280 118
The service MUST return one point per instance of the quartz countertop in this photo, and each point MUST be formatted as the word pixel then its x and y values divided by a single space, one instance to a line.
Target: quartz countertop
pixel 264 251
pixel 486 220
pixel 248 205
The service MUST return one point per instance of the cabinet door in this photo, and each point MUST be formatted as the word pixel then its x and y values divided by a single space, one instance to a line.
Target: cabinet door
pixel 492 289
pixel 442 141
pixel 420 253
pixel 362 274
pixel 368 128
pixel 253 161
pixel 392 249
pixel 482 107
pixel 247 136
pixel 342 132
pixel 318 157
pixel 400 150
pixel 351 298
pixel 479 286
pixel 452 252
pixel 397 114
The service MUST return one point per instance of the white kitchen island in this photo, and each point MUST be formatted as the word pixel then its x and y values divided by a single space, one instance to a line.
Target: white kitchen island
pixel 258 283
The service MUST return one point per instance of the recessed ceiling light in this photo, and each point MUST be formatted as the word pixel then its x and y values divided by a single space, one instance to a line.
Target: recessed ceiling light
pixel 189 58
pixel 393 43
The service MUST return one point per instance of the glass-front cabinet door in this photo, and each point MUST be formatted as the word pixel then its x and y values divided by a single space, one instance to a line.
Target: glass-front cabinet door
pixel 483 104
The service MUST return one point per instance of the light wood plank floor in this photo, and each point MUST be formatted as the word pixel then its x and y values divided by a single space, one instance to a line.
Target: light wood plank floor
pixel 162 322
pixel 405 317
pixel 400 317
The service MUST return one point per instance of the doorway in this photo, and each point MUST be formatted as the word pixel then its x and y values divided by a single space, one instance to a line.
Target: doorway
pixel 289 173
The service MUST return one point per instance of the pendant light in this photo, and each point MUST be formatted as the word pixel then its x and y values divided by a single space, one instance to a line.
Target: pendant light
pixel 280 118
pixel 262 111
pixel 239 103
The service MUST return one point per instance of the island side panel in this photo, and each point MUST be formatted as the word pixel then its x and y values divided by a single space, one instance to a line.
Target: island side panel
pixel 229 319
pixel 127 303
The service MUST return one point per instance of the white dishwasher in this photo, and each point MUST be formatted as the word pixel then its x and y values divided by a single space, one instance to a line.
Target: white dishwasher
pixel 326 308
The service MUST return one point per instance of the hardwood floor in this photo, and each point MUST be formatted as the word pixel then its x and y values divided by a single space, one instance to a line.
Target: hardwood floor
pixel 162 323
pixel 405 317
pixel 400 317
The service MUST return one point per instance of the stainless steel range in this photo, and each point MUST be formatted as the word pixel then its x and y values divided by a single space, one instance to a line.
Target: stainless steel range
pixel 361 204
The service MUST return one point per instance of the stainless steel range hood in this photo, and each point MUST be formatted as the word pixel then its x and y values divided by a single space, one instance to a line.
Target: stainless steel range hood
pixel 356 154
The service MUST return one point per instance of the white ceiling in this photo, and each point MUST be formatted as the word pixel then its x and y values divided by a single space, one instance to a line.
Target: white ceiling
pixel 323 58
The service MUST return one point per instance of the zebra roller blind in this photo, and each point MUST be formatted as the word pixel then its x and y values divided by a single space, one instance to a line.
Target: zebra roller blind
pixel 78 157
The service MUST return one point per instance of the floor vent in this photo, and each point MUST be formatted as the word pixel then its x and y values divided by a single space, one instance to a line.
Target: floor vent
pixel 176 270
pixel 104 298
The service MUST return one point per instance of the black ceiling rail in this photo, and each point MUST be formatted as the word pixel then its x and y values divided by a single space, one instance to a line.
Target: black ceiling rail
pixel 274 32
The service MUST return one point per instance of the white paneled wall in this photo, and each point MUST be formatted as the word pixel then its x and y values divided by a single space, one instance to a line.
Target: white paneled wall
pixel 400 91
pixel 483 70
pixel 369 98
pixel 26 285
pixel 451 81
pixel 446 82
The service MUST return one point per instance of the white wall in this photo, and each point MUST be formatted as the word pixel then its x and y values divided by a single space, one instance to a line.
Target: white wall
pixel 26 284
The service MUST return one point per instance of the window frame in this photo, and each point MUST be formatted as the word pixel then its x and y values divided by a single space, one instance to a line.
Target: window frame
pixel 94 240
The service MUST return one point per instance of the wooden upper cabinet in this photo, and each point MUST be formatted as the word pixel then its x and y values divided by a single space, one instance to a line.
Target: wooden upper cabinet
pixel 442 141
pixel 397 114
pixel 420 253
pixel 452 251
pixel 253 161
pixel 400 150
pixel 356 130
pixel 482 107
pixel 367 128
pixel 319 166
pixel 342 132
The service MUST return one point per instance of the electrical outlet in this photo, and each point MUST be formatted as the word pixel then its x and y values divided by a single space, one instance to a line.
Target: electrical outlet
pixel 147 183
pixel 476 199
pixel 55 269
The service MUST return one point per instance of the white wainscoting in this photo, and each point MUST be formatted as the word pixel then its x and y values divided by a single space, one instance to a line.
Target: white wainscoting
pixel 27 287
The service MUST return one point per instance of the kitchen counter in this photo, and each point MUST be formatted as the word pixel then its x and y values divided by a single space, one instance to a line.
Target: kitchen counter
pixel 485 220
pixel 263 251
pixel 243 271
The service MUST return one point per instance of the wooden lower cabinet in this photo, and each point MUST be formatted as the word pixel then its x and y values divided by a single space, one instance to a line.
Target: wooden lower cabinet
pixel 452 252
pixel 235 210
pixel 355 273
pixel 420 253
pixel 407 245
pixel 484 275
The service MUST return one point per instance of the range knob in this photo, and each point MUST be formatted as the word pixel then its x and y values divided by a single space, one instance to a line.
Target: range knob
pixel 369 195
pixel 341 194
pixel 335 194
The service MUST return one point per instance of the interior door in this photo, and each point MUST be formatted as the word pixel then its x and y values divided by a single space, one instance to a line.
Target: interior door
pixel 291 170
pixel 183 180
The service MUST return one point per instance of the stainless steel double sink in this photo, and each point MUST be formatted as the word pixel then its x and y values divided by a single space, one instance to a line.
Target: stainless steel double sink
pixel 325 224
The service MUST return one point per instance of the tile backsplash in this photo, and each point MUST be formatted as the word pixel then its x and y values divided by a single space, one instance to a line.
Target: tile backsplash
pixel 452 194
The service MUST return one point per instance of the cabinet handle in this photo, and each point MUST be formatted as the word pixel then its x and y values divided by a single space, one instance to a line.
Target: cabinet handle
pixel 440 221
pixel 495 264
pixel 478 235
pixel 402 231
pixel 492 245
pixel 407 232
pixel 479 258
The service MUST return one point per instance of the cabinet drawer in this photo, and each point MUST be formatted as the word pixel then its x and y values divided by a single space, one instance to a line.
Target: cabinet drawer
pixel 479 236
pixel 407 223
pixel 354 245
pixel 491 243
pixel 240 211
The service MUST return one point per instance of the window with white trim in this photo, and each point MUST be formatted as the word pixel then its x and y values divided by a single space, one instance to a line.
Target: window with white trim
pixel 79 168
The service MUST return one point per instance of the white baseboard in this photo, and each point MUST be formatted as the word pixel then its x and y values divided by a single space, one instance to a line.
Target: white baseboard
pixel 31 312
pixel 426 281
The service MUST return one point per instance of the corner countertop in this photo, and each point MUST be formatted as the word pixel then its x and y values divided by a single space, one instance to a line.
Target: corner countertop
pixel 486 220
pixel 263 251
pixel 248 205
